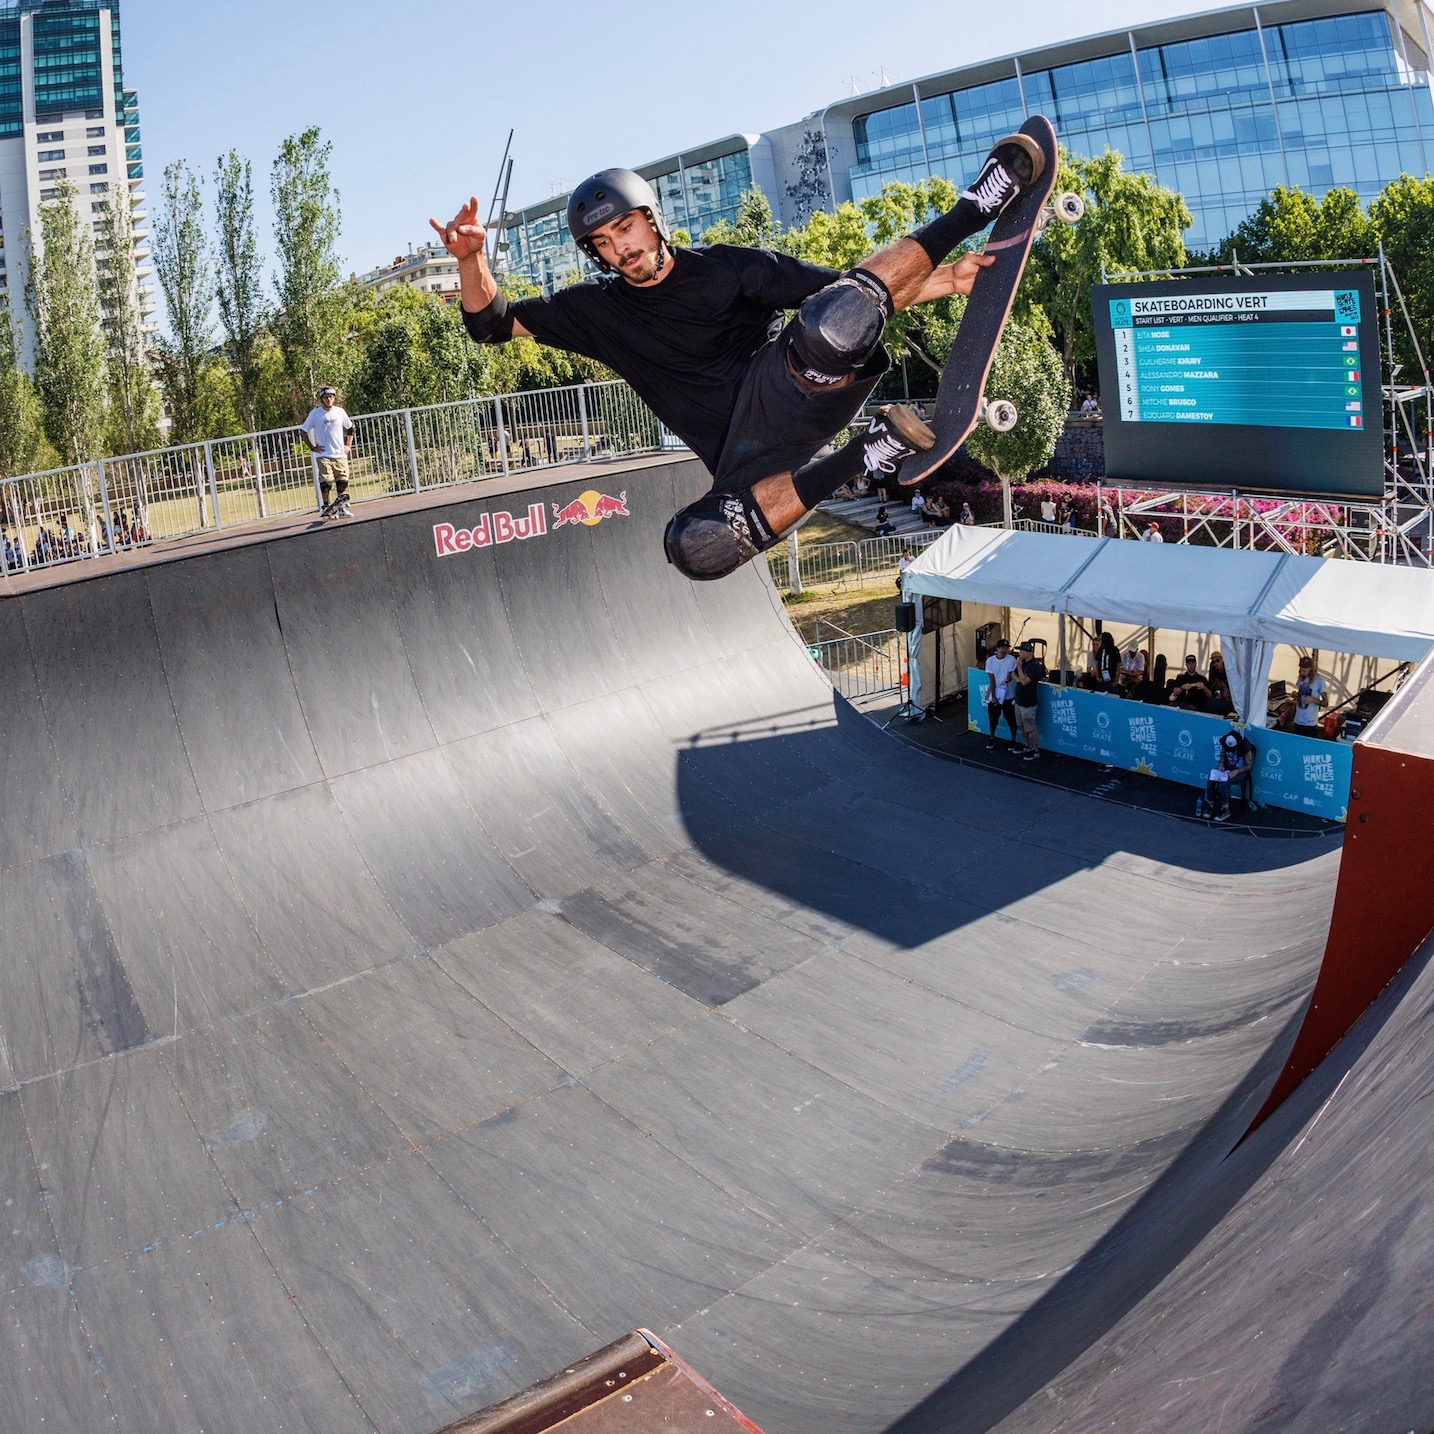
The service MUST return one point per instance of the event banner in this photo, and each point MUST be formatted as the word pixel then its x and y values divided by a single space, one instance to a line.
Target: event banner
pixel 1301 774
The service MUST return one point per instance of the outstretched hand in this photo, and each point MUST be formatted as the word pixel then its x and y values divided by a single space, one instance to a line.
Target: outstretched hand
pixel 954 278
pixel 463 236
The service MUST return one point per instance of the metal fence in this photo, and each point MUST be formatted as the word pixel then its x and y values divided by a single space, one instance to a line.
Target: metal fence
pixel 860 666
pixel 868 563
pixel 71 514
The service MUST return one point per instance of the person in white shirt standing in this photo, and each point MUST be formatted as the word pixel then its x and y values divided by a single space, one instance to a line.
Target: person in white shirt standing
pixel 1310 696
pixel 330 434
pixel 1001 669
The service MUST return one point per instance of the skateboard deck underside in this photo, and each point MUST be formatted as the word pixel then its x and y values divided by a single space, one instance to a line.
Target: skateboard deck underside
pixel 963 381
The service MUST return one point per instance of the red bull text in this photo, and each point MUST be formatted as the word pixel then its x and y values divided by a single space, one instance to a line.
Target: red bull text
pixel 492 528
pixel 588 508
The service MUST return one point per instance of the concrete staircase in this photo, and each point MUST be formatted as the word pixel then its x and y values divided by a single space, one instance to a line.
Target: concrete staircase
pixel 862 511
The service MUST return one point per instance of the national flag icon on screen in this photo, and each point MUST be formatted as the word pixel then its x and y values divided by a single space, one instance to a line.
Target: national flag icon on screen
pixel 1351 347
pixel 1352 407
pixel 1355 421
pixel 1347 331
pixel 1353 375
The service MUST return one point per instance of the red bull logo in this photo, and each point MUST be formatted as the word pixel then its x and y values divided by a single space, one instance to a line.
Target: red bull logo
pixel 492 528
pixel 591 508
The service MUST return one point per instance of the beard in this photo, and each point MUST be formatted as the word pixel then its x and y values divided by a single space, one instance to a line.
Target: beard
pixel 641 268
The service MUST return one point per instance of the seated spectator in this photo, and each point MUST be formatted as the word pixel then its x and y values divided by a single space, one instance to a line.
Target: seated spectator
pixel 1132 668
pixel 1189 689
pixel 937 512
pixel 1091 405
pixel 861 485
pixel 884 526
pixel 918 503
pixel 1048 511
pixel 1231 764
pixel 1105 665
pixel 1219 701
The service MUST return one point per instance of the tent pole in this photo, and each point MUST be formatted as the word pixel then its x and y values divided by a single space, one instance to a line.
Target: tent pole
pixel 1061 645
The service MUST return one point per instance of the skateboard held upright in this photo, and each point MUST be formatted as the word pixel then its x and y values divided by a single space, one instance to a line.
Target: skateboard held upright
pixel 960 399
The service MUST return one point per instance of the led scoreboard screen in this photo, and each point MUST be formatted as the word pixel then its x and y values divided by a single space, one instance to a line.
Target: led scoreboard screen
pixel 1266 384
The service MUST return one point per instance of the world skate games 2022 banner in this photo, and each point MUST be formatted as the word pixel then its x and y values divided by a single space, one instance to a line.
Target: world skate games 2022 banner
pixel 1301 774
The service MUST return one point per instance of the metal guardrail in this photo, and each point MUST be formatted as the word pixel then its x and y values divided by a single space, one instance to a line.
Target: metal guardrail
pixel 860 666
pixel 868 563
pixel 71 514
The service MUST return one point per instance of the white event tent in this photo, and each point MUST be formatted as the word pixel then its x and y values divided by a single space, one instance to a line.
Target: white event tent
pixel 1252 600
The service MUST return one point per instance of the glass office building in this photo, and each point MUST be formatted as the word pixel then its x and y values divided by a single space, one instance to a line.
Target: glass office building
pixel 1221 105
pixel 66 118
pixel 1223 118
pixel 694 190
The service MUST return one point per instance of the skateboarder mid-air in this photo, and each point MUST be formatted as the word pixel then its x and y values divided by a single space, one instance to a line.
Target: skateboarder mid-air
pixel 699 334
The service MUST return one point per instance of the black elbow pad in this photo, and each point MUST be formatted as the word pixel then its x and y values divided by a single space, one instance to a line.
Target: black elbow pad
pixel 491 325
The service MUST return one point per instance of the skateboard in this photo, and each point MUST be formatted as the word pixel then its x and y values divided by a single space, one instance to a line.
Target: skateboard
pixel 960 398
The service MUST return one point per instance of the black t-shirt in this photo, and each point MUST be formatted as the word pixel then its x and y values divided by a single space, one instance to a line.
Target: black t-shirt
pixel 683 344
pixel 1028 693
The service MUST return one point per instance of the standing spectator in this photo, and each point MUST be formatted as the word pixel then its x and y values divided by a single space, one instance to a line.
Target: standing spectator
pixel 1048 511
pixel 1107 524
pixel 1152 533
pixel 968 518
pixel 1310 696
pixel 1065 516
pixel 330 434
pixel 1030 673
pixel 1001 669
pixel 901 567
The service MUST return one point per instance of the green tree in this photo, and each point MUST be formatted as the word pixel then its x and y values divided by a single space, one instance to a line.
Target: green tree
pixel 1289 226
pixel 133 408
pixel 755 228
pixel 22 437
pixel 1131 224
pixel 309 324
pixel 1402 218
pixel 415 352
pixel 60 292
pixel 1028 372
pixel 186 278
pixel 239 280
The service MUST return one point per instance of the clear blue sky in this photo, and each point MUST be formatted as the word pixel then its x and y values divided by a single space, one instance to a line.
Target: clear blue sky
pixel 418 99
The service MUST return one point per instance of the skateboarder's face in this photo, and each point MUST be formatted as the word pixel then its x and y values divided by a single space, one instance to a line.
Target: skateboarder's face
pixel 630 244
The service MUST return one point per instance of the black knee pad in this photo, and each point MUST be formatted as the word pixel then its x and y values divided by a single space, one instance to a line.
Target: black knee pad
pixel 715 535
pixel 342 484
pixel 837 329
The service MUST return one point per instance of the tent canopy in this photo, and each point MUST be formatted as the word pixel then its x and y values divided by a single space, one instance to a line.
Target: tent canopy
pixel 1370 609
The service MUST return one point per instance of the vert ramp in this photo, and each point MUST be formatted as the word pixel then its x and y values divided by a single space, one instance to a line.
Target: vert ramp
pixel 417 971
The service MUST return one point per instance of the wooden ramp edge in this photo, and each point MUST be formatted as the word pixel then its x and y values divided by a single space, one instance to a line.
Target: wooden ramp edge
pixel 634 1383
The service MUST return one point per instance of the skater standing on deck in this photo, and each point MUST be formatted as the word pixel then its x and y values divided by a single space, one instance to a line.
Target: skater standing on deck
pixel 330 433
pixel 699 334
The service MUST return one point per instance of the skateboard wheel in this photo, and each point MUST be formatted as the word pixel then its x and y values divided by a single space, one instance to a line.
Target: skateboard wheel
pixel 1001 415
pixel 1069 207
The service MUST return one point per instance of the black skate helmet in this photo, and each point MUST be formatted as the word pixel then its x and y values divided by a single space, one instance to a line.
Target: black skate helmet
pixel 601 199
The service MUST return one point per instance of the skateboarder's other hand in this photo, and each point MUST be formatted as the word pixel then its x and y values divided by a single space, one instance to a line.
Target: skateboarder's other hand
pixel 954 278
pixel 463 236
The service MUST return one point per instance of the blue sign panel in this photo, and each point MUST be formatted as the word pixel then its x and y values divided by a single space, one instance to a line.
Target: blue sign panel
pixel 1301 774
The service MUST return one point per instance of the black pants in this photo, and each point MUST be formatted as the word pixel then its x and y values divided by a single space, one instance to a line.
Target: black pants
pixel 996 710
pixel 778 425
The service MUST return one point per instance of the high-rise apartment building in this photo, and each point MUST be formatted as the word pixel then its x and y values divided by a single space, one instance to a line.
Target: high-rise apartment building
pixel 65 115
pixel 1221 105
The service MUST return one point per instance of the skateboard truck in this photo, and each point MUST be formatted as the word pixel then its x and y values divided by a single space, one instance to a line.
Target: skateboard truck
pixel 999 414
pixel 1068 208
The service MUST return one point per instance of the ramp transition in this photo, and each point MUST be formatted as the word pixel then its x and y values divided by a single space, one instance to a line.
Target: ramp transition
pixel 417 972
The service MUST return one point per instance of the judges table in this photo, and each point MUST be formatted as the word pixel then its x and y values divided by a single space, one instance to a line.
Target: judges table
pixel 1300 774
